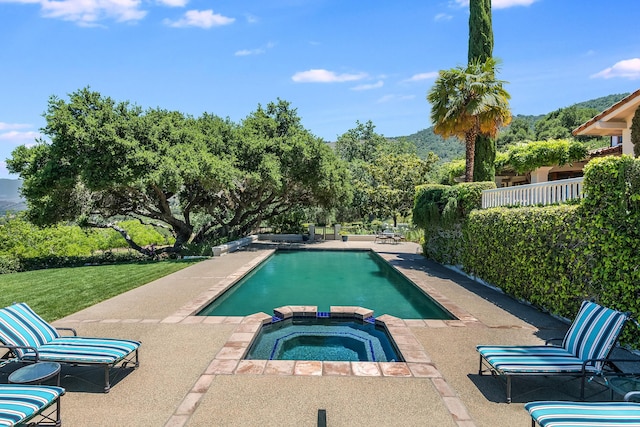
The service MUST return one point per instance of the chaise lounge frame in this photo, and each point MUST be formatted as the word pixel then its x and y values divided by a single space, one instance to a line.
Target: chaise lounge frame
pixel 561 413
pixel 30 340
pixel 24 404
pixel 584 352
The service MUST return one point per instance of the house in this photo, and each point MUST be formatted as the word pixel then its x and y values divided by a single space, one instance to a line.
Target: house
pixel 553 184
pixel 615 122
pixel 571 170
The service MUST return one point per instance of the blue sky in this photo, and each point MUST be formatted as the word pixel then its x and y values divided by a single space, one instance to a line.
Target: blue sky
pixel 336 61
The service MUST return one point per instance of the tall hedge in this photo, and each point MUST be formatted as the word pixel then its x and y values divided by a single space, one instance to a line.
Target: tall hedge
pixel 441 210
pixel 556 256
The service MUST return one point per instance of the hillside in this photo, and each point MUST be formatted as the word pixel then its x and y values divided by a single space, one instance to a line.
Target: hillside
pixel 449 149
pixel 10 200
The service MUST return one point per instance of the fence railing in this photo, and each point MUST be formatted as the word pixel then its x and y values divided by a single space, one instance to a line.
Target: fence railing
pixel 542 193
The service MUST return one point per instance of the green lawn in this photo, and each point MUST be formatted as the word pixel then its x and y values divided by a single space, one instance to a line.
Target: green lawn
pixel 56 293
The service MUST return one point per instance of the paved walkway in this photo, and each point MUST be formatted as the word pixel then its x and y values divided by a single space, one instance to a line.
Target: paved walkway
pixel 188 378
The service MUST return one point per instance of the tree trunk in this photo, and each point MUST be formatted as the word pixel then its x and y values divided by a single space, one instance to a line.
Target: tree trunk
pixel 470 145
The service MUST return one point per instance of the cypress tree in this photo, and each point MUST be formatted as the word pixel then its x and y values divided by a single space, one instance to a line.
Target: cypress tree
pixel 481 47
pixel 480 30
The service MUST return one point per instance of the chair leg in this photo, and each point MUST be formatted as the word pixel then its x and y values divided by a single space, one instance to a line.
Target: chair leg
pixel 508 388
pixel 480 367
pixel 107 384
pixel 58 419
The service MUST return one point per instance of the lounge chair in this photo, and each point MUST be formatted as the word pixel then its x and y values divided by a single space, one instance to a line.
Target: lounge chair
pixel 32 340
pixel 22 404
pixel 576 414
pixel 584 352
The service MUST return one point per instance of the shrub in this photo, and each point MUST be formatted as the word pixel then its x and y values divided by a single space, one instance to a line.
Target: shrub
pixel 556 256
pixel 441 210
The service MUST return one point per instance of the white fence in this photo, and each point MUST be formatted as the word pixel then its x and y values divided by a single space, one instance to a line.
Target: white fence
pixel 543 193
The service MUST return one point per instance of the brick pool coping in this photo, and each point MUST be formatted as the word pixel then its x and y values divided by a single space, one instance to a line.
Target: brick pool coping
pixel 229 360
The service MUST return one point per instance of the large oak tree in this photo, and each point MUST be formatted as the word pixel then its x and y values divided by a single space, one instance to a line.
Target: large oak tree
pixel 202 178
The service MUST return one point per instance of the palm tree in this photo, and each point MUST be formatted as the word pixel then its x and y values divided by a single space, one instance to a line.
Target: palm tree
pixel 469 101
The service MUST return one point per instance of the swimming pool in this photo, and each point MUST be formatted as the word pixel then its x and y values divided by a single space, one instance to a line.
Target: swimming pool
pixel 323 279
pixel 324 339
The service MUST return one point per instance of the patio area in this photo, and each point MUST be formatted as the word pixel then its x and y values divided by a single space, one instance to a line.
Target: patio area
pixel 185 380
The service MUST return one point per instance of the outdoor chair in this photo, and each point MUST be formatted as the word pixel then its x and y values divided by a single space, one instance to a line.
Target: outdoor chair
pixel 575 414
pixel 381 238
pixel 30 339
pixel 584 352
pixel 22 405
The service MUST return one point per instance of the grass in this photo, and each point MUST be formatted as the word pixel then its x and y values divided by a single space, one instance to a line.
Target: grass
pixel 59 292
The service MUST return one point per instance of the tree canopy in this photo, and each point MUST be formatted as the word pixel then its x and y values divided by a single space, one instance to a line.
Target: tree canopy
pixel 468 101
pixel 202 178
pixel 384 173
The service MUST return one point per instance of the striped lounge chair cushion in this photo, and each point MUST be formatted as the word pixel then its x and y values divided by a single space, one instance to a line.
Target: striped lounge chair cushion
pixel 531 359
pixel 591 336
pixel 581 414
pixel 19 403
pixel 21 326
pixel 84 350
pixel 593 332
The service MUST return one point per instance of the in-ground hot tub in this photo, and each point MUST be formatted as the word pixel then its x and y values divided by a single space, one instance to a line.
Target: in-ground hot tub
pixel 324 338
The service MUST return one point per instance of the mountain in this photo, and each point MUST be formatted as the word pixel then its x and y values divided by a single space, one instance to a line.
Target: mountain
pixel 452 148
pixel 10 199
pixel 601 103
pixel 426 141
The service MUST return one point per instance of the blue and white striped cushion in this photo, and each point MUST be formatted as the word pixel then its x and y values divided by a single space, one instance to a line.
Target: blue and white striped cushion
pixel 530 359
pixel 21 326
pixel 84 350
pixel 593 332
pixel 19 403
pixel 581 414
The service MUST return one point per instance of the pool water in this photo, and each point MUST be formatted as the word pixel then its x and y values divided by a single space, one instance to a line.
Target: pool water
pixel 325 340
pixel 324 279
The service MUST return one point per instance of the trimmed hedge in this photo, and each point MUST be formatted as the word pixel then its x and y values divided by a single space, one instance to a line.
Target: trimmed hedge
pixel 530 253
pixel 556 256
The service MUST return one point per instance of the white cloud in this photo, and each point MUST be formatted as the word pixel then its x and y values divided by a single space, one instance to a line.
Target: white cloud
pixel 18 137
pixel 628 68
pixel 201 18
pixel 89 12
pixel 258 51
pixel 442 17
pixel 9 126
pixel 173 3
pixel 247 52
pixel 504 4
pixel 375 85
pixel 500 4
pixel 325 76
pixel 422 76
pixel 389 98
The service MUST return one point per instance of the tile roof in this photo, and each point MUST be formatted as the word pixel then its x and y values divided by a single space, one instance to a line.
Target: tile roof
pixel 608 111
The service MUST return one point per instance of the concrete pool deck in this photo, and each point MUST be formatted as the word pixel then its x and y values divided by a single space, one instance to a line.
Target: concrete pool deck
pixel 184 378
